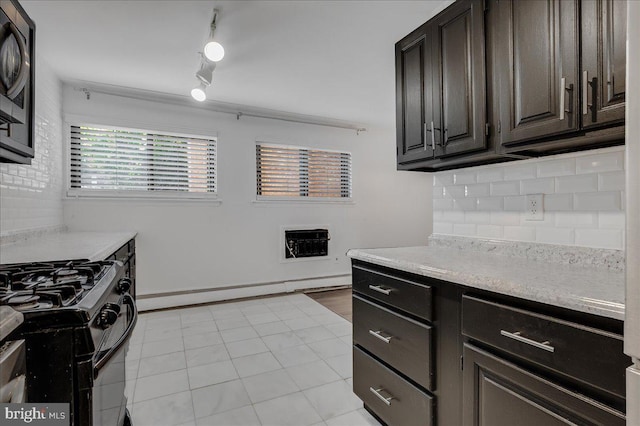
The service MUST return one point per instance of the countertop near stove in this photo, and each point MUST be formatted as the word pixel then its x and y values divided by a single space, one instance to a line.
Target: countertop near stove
pixel 592 290
pixel 63 246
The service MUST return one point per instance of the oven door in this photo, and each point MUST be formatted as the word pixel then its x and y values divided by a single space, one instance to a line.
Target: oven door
pixel 109 398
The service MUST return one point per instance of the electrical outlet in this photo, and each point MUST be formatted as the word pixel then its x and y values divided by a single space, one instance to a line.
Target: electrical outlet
pixel 535 207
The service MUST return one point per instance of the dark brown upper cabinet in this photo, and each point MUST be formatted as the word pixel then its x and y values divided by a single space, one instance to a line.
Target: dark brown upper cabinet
pixel 538 69
pixel 459 84
pixel 604 34
pixel 497 80
pixel 440 86
pixel 414 96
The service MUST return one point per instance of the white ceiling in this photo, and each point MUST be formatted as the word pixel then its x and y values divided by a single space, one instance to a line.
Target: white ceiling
pixel 331 59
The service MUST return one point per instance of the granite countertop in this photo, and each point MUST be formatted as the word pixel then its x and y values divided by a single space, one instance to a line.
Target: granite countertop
pixel 598 291
pixel 63 246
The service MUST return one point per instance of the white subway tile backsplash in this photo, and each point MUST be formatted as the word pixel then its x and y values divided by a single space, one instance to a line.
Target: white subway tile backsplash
pixel 477 217
pixel 564 236
pixel 576 219
pixel 558 202
pixel 477 190
pixel 520 171
pixel 490 203
pixel 561 167
pixel 505 188
pixel 583 194
pixel 505 218
pixel 465 229
pixel 580 183
pixel 454 191
pixel 492 174
pixel 454 216
pixel 31 195
pixel 518 233
pixel 598 201
pixel 615 220
pixel 443 179
pixel 515 204
pixel 537 186
pixel 489 231
pixel 600 238
pixel 612 181
pixel 603 162
pixel 443 204
pixel 463 177
pixel 464 204
pixel 442 228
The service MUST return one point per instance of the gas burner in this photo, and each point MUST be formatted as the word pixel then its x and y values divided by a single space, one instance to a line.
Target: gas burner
pixel 23 302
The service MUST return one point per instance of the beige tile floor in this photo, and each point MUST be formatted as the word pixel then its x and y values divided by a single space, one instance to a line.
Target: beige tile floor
pixel 279 361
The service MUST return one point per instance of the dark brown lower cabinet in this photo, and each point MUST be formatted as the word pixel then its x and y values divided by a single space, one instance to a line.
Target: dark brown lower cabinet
pixel 497 392
pixel 392 398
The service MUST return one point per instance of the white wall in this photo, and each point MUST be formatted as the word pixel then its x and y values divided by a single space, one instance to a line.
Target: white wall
pixel 583 200
pixel 198 245
pixel 30 196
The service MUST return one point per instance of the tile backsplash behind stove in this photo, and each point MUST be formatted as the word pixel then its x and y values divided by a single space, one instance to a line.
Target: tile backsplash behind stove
pixel 31 195
pixel 583 200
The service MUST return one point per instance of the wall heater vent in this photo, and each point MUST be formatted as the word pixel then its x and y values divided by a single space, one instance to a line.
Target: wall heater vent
pixel 306 243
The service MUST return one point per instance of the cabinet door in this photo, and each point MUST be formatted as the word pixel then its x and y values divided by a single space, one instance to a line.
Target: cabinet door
pixel 604 35
pixel 538 69
pixel 414 99
pixel 497 392
pixel 459 84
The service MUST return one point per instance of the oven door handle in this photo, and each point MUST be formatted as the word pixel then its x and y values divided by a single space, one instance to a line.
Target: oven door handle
pixel 122 340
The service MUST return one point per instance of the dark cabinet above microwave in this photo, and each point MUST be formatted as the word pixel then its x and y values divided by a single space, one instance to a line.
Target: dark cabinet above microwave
pixel 17 76
pixel 498 80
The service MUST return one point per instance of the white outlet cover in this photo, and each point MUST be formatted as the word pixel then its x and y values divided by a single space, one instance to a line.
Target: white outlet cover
pixel 534 207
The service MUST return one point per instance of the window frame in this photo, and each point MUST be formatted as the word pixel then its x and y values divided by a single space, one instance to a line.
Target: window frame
pixel 269 199
pixel 77 193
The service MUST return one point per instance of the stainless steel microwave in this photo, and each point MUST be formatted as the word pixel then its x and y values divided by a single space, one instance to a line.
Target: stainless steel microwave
pixel 17 42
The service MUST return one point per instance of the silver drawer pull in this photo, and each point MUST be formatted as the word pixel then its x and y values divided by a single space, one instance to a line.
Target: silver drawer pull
pixel 377 393
pixel 380 336
pixel 520 338
pixel 379 289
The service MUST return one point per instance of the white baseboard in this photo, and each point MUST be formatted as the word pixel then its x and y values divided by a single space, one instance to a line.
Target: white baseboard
pixel 193 298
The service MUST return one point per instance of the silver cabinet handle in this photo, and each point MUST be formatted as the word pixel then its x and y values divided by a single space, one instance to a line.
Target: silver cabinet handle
pixel 517 335
pixel 585 92
pixel 380 289
pixel 433 137
pixel 562 90
pixel 377 393
pixel 424 135
pixel 380 336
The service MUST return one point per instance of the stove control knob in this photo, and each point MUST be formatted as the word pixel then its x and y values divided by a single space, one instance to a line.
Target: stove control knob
pixel 123 285
pixel 107 317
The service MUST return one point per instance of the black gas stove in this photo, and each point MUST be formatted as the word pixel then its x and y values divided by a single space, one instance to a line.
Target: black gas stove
pixel 78 318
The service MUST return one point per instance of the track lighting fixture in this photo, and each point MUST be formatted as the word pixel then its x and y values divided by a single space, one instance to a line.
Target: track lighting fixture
pixel 212 53
pixel 199 93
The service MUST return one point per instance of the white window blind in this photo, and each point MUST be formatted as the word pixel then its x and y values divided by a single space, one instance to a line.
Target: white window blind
pixel 104 159
pixel 284 171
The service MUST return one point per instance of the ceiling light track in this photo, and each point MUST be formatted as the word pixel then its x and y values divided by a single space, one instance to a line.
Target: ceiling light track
pixel 215 106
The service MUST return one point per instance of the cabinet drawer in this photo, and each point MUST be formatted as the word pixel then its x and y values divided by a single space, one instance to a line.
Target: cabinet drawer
pixel 401 342
pixel 393 399
pixel 583 353
pixel 400 293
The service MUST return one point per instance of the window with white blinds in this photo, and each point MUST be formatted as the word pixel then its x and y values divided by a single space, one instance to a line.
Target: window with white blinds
pixel 132 161
pixel 285 171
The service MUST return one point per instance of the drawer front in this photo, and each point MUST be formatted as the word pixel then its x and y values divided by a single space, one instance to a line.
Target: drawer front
pixel 587 354
pixel 401 342
pixel 393 399
pixel 400 293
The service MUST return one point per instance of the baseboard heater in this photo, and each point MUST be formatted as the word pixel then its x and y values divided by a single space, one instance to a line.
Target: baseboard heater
pixel 306 243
